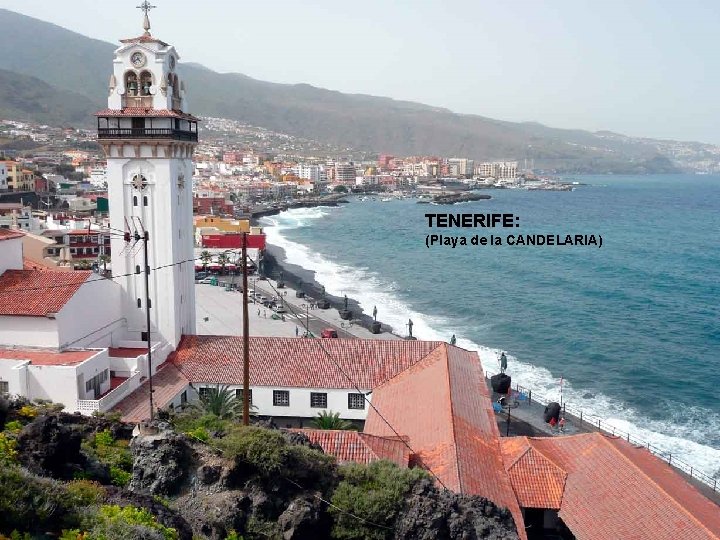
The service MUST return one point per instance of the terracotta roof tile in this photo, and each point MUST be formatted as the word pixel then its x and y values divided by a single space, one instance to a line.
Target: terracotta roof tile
pixel 147 111
pixel 126 352
pixel 614 490
pixel 144 39
pixel 48 357
pixel 9 234
pixel 168 382
pixel 351 446
pixel 537 481
pixel 37 293
pixel 291 362
pixel 442 404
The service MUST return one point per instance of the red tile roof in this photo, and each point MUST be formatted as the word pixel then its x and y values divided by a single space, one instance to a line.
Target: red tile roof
pixel 351 446
pixel 144 39
pixel 37 293
pixel 443 406
pixel 290 362
pixel 147 111
pixel 8 234
pixel 126 352
pixel 41 357
pixel 612 489
pixel 537 481
pixel 168 382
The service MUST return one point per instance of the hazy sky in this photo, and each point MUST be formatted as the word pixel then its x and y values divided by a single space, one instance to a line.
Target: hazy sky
pixel 640 67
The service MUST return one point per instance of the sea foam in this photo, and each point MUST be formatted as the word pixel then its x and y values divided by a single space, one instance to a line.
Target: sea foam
pixel 370 289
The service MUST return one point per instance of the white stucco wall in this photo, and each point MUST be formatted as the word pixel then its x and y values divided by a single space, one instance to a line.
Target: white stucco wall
pixel 91 315
pixel 337 401
pixel 11 255
pixel 66 384
pixel 14 372
pixel 28 331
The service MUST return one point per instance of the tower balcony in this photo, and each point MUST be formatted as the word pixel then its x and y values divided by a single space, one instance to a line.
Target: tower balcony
pixel 147 133
pixel 146 123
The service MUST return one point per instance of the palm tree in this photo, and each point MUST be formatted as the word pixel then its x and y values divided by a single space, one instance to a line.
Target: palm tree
pixel 205 257
pixel 219 401
pixel 330 420
pixel 223 259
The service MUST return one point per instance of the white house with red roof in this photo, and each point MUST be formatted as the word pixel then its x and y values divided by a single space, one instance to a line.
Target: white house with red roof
pixel 79 338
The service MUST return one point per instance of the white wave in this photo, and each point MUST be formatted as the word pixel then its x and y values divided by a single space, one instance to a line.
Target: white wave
pixel 370 289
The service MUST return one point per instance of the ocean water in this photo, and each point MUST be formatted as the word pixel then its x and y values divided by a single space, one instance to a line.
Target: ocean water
pixel 633 328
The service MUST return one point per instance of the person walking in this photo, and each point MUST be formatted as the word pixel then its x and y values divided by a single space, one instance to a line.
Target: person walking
pixel 561 424
pixel 297 331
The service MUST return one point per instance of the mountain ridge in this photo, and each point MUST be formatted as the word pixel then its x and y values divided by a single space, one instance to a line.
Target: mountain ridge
pixel 77 65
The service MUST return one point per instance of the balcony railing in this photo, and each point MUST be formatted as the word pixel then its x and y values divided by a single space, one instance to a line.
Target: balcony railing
pixel 147 133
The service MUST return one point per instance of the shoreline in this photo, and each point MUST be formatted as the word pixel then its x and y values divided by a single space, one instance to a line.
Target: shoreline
pixel 694 451
pixel 300 278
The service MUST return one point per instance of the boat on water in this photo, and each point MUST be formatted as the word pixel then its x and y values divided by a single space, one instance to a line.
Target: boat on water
pixel 386 199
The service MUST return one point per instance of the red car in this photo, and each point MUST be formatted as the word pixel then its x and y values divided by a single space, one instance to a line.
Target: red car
pixel 329 333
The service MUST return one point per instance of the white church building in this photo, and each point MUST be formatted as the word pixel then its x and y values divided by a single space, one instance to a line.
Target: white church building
pixel 78 338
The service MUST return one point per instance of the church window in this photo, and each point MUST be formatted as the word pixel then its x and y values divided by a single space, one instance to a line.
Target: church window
pixel 139 303
pixel 145 201
pixel 134 200
pixel 137 268
pixel 149 302
pixel 145 83
pixel 131 83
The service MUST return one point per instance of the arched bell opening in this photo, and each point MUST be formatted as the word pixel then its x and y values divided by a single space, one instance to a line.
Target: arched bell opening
pixel 131 83
pixel 146 82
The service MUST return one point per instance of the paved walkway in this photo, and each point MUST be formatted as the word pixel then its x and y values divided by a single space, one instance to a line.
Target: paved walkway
pixel 219 312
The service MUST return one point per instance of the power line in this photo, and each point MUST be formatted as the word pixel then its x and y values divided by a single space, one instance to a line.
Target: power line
pixel 112 278
pixel 357 388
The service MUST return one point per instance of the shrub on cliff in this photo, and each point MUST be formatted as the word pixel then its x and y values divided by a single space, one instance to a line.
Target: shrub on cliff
pixel 33 504
pixel 111 522
pixel 374 492
pixel 267 453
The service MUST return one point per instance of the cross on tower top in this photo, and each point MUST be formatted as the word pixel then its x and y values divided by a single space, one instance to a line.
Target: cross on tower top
pixel 146 7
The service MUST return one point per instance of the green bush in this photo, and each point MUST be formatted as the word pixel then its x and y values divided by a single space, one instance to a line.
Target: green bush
pixel 103 439
pixel 85 492
pixel 113 453
pixel 13 426
pixel 8 452
pixel 199 433
pixel 373 492
pixel 119 477
pixel 112 522
pixel 33 504
pixel 190 420
pixel 263 449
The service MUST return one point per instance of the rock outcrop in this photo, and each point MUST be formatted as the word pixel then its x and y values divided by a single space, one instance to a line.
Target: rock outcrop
pixel 47 447
pixel 431 514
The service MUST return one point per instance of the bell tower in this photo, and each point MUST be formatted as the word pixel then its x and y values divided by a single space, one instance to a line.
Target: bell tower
pixel 149 140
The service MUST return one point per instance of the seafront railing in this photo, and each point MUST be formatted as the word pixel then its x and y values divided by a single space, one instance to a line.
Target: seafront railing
pixel 591 422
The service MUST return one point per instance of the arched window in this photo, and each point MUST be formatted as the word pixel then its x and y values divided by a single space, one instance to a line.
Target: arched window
pixel 131 83
pixel 145 201
pixel 145 83
pixel 134 200
pixel 137 268
pixel 139 303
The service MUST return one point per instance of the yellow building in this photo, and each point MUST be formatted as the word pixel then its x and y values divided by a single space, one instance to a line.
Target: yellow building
pixel 19 179
pixel 223 224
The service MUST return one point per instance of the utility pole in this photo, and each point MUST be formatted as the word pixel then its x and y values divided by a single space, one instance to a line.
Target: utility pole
pixel 145 238
pixel 246 336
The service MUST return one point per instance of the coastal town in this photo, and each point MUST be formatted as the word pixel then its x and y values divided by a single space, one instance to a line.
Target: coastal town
pixel 136 286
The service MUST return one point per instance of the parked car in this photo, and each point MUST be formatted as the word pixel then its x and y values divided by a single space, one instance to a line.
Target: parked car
pixel 329 333
pixel 206 281
pixel 280 309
